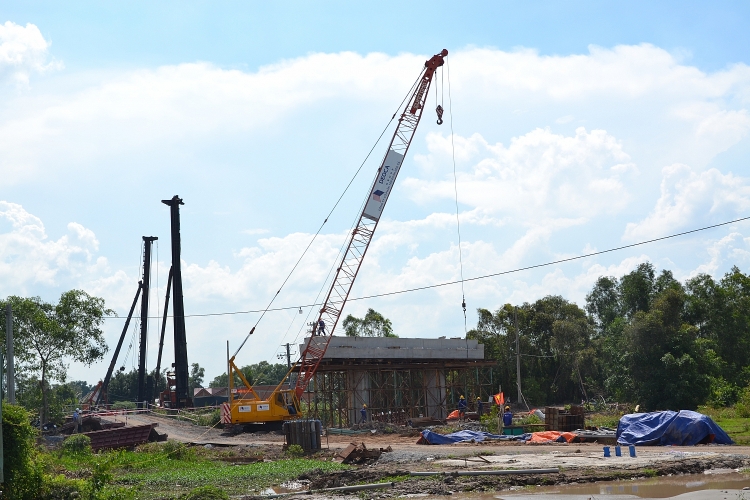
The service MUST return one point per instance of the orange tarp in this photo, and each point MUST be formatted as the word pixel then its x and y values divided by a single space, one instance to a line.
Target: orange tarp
pixel 453 415
pixel 550 436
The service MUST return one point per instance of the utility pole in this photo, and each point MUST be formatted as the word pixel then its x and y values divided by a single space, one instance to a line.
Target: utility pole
pixel 518 356
pixel 10 388
pixel 288 355
pixel 2 451
pixel 142 393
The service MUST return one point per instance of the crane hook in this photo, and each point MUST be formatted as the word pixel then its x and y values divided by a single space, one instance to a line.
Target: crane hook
pixel 439 111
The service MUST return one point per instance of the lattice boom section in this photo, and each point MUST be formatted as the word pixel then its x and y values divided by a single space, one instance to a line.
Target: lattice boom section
pixel 362 235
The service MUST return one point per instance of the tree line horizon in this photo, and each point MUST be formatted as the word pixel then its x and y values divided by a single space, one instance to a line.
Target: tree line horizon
pixel 643 338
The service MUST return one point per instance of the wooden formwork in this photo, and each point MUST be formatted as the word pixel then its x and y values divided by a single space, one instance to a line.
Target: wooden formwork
pixel 564 421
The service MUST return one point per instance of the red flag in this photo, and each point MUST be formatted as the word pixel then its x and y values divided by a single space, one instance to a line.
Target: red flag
pixel 499 398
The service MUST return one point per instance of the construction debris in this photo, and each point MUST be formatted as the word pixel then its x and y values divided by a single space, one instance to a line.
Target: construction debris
pixel 121 437
pixel 88 424
pixel 358 454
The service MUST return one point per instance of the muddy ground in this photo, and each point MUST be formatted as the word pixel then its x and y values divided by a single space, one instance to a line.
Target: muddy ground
pixel 578 463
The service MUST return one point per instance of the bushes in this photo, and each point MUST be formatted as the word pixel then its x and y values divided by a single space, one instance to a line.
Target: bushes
pixel 530 420
pixel 23 478
pixel 743 405
pixel 723 393
pixel 178 451
pixel 124 405
pixel 61 488
pixel 490 419
pixel 294 451
pixel 76 445
pixel 209 419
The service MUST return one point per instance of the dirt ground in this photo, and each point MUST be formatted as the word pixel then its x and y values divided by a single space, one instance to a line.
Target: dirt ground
pixel 577 463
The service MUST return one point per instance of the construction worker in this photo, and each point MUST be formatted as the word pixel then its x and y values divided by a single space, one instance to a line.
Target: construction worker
pixel 507 417
pixel 321 327
pixel 77 421
pixel 461 407
pixel 480 407
pixel 363 412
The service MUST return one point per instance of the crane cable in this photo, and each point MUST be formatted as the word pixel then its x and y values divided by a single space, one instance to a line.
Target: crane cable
pixel 312 240
pixel 455 191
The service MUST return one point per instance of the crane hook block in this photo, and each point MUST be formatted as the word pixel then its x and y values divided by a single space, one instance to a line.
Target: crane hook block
pixel 439 111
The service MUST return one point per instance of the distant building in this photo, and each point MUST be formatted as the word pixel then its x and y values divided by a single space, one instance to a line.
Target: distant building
pixel 210 396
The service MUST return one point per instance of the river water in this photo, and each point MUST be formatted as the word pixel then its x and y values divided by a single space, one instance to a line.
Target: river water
pixel 716 485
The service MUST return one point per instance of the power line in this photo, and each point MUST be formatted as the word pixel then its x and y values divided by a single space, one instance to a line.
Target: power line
pixel 477 278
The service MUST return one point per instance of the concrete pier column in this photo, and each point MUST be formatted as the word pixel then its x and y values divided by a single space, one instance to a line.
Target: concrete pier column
pixel 435 393
pixel 358 389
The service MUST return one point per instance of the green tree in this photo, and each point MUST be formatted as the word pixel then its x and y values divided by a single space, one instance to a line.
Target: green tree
pixel 373 324
pixel 23 477
pixel 558 358
pixel 636 289
pixel 196 376
pixel 47 336
pixel 721 313
pixel 669 365
pixel 603 302
pixel 263 373
pixel 123 386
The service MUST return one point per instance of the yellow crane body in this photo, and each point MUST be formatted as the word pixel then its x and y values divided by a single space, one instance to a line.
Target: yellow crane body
pixel 246 407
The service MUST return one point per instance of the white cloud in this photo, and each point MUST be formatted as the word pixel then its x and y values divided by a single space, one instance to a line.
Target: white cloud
pixel 23 51
pixel 732 247
pixel 628 71
pixel 28 257
pixel 689 199
pixel 538 176
pixel 263 268
pixel 186 106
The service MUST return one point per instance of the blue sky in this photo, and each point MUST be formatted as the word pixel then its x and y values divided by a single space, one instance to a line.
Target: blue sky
pixel 579 126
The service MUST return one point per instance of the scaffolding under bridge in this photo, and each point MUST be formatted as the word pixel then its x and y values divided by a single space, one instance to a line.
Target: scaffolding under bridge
pixel 398 379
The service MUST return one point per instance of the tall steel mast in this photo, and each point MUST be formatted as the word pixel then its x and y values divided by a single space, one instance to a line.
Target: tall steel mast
pixel 142 375
pixel 183 399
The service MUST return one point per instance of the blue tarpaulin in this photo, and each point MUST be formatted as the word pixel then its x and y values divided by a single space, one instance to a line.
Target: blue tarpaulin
pixel 683 428
pixel 461 436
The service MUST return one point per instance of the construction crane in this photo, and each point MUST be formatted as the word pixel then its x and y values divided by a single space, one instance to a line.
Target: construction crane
pixel 245 405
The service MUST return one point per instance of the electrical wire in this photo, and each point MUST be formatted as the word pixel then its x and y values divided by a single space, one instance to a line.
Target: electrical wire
pixel 476 278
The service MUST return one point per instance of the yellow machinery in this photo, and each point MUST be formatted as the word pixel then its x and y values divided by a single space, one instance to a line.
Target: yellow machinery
pixel 247 408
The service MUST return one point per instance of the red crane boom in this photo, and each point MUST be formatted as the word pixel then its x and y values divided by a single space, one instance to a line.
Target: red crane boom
pixel 362 234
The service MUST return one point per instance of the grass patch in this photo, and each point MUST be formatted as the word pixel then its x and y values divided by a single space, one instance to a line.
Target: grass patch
pixel 649 472
pixel 737 427
pixel 604 419
pixel 399 479
pixel 233 479
pixel 166 470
